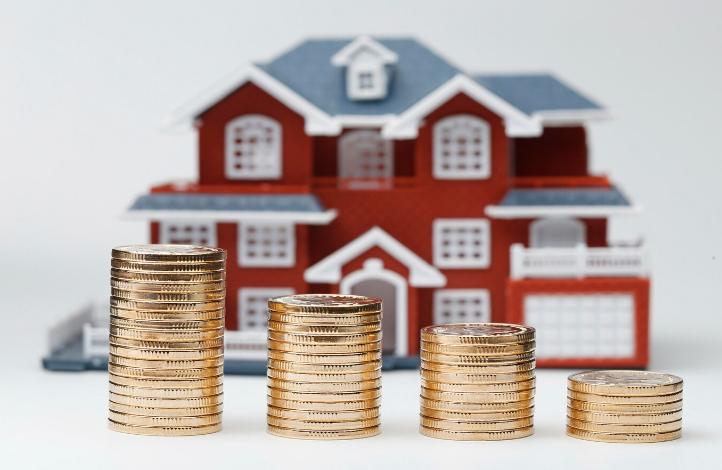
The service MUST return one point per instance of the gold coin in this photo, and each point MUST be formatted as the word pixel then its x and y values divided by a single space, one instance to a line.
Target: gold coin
pixel 135 420
pixel 181 364
pixel 303 339
pixel 150 411
pixel 316 378
pixel 477 397
pixel 323 416
pixel 479 387
pixel 479 349
pixel 152 402
pixel 324 303
pixel 324 435
pixel 167 383
pixel 168 253
pixel 476 436
pixel 164 431
pixel 153 321
pixel 167 336
pixel 350 358
pixel 487 416
pixel 163 267
pixel 324 406
pixel 478 333
pixel 624 408
pixel 628 400
pixel 625 428
pixel 324 348
pixel 165 392
pixel 373 319
pixel 624 418
pixel 160 374
pixel 625 383
pixel 324 387
pixel 459 378
pixel 150 354
pixel 166 345
pixel 476 426
pixel 168 296
pixel 324 397
pixel 167 277
pixel 322 425
pixel 328 330
pixel 168 287
pixel 477 407
pixel 618 437
pixel 169 307
pixel 475 360
pixel 523 366
pixel 298 367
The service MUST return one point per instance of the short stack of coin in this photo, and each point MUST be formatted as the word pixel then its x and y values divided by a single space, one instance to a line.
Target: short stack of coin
pixel 324 366
pixel 166 339
pixel 624 406
pixel 477 381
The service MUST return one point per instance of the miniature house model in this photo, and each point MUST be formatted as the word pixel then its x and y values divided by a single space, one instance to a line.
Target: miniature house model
pixel 373 166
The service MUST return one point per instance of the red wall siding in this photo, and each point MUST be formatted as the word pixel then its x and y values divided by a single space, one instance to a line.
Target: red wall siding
pixel 559 151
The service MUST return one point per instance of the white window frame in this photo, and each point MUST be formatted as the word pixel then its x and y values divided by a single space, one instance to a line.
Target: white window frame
pixel 245 293
pixel 454 295
pixel 259 261
pixel 349 143
pixel 452 124
pixel 484 227
pixel 165 231
pixel 271 158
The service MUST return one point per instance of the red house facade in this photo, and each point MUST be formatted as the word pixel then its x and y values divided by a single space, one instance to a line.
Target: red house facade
pixel 373 166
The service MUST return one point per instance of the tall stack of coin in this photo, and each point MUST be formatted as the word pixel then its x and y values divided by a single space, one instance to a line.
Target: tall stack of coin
pixel 477 381
pixel 624 406
pixel 166 339
pixel 324 366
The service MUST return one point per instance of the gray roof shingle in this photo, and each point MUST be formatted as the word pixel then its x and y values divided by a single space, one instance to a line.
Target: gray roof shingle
pixel 565 197
pixel 228 202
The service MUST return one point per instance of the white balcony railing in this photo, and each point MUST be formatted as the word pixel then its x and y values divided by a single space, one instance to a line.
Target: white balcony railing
pixel 579 261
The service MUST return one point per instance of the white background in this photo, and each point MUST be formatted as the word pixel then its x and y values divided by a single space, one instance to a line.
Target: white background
pixel 84 89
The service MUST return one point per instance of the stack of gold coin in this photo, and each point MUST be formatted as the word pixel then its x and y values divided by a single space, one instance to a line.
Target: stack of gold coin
pixel 624 406
pixel 477 381
pixel 166 339
pixel 324 366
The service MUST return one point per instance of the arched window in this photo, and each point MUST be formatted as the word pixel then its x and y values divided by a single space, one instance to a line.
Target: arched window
pixel 462 148
pixel 557 233
pixel 253 148
pixel 365 160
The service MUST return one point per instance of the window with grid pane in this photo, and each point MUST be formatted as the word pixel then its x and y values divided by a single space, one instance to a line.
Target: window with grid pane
pixel 461 306
pixel 188 233
pixel 462 148
pixel 267 244
pixel 462 243
pixel 363 155
pixel 253 148
pixel 253 304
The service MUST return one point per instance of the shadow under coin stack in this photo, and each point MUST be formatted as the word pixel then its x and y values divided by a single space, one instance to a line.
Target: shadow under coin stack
pixel 166 339
pixel 477 381
pixel 624 406
pixel 324 366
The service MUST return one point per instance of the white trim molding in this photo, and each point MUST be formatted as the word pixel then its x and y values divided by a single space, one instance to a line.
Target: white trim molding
pixel 346 54
pixel 310 218
pixel 529 212
pixel 563 117
pixel 421 273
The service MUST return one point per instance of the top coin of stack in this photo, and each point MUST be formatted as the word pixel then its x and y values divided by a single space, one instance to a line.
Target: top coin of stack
pixel 624 406
pixel 166 339
pixel 477 381
pixel 324 366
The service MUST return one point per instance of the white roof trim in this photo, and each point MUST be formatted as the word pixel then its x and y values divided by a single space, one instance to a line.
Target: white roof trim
pixel 361 120
pixel 518 124
pixel 345 55
pixel 529 212
pixel 564 117
pixel 311 218
pixel 317 121
pixel 421 273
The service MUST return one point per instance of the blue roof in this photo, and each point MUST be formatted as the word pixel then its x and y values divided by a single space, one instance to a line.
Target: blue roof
pixel 536 92
pixel 565 197
pixel 228 202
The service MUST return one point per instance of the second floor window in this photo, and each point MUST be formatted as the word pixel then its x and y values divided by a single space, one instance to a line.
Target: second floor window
pixel 188 233
pixel 462 243
pixel 267 244
pixel 462 148
pixel 365 159
pixel 253 148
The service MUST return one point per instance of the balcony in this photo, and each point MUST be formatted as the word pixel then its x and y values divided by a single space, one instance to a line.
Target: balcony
pixel 578 262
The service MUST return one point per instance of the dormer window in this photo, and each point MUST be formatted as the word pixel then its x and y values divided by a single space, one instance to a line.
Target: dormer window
pixel 366 80
pixel 368 65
